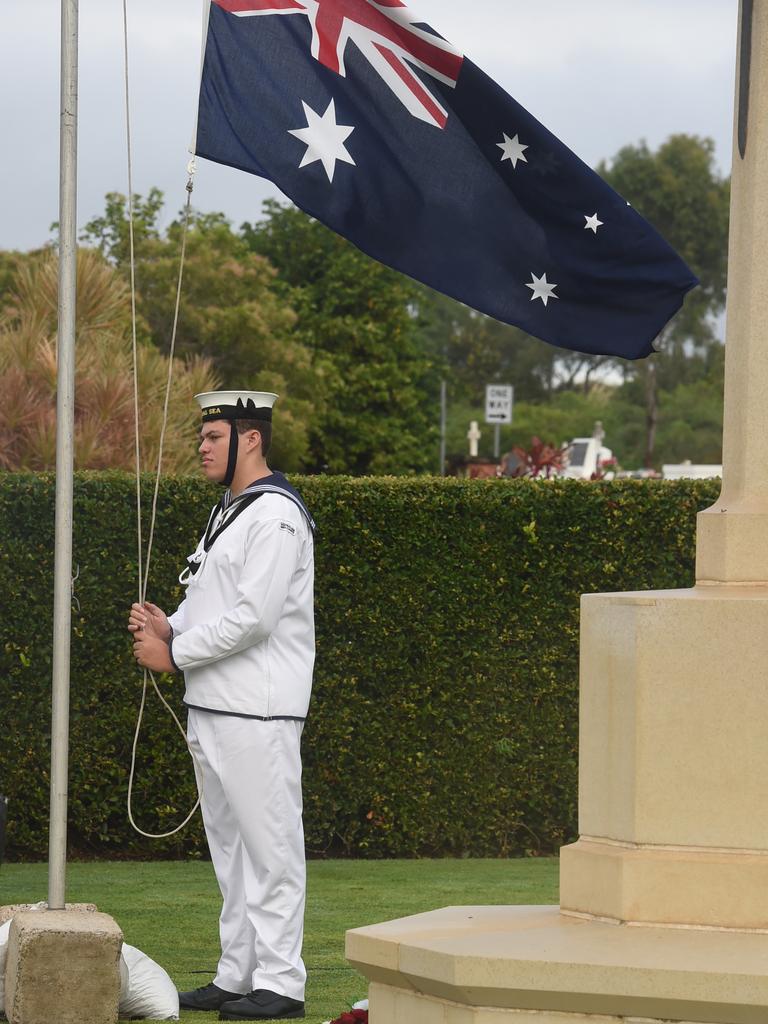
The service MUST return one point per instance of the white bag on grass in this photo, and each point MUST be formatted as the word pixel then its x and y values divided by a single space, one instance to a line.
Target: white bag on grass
pixel 5 930
pixel 146 991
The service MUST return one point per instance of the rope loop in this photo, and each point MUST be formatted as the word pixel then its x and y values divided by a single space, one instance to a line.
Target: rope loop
pixel 134 748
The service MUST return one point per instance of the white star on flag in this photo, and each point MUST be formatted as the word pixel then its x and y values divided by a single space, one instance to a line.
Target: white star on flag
pixel 592 223
pixel 513 149
pixel 542 289
pixel 324 139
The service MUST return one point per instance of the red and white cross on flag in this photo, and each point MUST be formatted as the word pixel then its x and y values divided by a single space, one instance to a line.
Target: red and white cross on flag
pixel 385 32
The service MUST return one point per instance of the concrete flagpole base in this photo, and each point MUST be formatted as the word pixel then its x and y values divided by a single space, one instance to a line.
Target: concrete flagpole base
pixel 11 909
pixel 63 967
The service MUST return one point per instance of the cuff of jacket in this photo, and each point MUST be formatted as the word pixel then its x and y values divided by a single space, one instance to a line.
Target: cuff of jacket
pixel 170 653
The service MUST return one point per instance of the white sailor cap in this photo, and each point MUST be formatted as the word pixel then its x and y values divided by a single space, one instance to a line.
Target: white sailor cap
pixel 236 405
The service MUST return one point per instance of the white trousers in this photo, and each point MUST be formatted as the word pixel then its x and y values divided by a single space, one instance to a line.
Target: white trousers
pixel 251 781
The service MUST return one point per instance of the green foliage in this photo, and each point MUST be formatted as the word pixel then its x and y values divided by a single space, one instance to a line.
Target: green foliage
pixel 288 306
pixel 231 312
pixel 9 265
pixel 475 350
pixel 110 233
pixel 680 192
pixel 104 416
pixel 379 389
pixel 444 718
pixel 692 423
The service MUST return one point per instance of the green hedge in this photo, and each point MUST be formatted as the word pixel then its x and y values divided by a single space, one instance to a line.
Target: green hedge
pixel 444 718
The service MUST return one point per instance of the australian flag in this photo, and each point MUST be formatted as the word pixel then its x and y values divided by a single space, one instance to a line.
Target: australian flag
pixel 377 126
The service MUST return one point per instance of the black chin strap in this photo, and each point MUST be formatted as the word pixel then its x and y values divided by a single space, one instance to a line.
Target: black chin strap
pixel 232 463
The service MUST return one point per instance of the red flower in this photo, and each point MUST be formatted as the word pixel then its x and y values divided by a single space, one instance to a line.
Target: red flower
pixel 352 1017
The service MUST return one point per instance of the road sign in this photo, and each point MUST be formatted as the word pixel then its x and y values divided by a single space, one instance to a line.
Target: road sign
pixel 499 400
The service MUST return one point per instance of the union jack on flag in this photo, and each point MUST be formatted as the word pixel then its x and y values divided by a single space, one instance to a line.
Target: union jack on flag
pixel 377 126
pixel 385 33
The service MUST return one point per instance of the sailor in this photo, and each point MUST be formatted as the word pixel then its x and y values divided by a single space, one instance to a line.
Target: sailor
pixel 244 638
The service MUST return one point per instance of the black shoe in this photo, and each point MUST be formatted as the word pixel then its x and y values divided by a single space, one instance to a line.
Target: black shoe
pixel 207 997
pixel 262 1005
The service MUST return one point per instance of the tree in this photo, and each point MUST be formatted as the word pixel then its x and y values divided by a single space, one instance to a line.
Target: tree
pixel 475 350
pixel 232 311
pixel 693 425
pixel 378 390
pixel 680 192
pixel 110 233
pixel 104 403
pixel 9 265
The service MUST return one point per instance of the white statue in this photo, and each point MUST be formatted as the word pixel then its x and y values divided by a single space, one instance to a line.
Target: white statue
pixel 473 436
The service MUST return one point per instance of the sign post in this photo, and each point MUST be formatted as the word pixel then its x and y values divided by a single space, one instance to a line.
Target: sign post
pixel 499 403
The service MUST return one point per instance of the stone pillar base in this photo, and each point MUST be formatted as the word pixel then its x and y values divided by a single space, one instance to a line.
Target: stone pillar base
pixel 534 965
pixel 62 967
pixel 396 1004
pixel 672 759
pixel 678 886
pixel 731 545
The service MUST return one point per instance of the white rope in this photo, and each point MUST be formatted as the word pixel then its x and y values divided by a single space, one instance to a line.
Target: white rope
pixel 137 455
pixel 143 570
pixel 191 168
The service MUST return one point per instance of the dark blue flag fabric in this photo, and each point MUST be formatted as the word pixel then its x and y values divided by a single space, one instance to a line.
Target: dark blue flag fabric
pixel 374 124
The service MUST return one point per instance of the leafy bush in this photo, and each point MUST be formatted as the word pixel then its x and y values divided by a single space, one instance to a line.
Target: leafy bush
pixel 444 718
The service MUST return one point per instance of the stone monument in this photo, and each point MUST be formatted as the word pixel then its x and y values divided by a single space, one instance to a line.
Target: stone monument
pixel 664 898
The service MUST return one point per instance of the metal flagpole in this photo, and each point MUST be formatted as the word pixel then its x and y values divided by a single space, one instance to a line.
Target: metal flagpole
pixel 65 417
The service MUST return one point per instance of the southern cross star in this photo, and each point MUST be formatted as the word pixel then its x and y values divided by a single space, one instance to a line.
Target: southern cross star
pixel 513 149
pixel 542 289
pixel 592 223
pixel 324 139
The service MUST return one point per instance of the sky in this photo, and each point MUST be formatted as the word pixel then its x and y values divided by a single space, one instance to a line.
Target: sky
pixel 600 74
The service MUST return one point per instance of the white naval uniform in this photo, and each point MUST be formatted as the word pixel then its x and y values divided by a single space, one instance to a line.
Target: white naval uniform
pixel 244 638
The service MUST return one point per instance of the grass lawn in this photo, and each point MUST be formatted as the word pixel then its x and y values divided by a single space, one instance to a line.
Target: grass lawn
pixel 170 910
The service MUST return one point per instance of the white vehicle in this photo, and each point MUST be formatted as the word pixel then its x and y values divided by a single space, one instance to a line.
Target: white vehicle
pixel 690 471
pixel 586 457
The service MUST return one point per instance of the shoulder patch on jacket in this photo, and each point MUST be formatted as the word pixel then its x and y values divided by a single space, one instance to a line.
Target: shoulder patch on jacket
pixel 288 526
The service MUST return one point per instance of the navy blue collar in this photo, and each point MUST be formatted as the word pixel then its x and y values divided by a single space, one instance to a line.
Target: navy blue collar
pixel 275 483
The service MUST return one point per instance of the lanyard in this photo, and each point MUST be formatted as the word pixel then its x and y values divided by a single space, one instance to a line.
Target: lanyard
pixel 238 506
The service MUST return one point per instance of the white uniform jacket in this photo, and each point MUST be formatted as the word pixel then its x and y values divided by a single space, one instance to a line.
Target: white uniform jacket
pixel 244 635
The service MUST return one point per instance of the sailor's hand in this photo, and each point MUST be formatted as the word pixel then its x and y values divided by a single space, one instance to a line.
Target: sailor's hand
pixel 149 619
pixel 152 653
